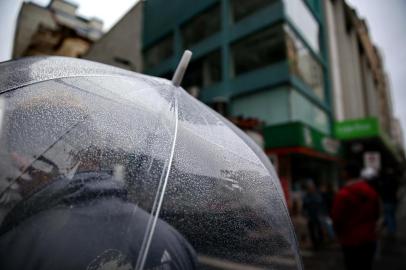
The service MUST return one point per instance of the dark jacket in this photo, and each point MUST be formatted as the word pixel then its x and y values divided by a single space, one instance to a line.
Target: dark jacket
pixel 86 223
pixel 313 206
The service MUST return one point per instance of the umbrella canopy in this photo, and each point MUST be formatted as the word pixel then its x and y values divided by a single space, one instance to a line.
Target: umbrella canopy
pixel 64 121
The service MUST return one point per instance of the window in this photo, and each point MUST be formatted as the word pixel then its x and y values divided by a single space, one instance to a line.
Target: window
pixel 303 65
pixel 204 71
pixel 258 50
pixel 201 27
pixel 243 8
pixel 159 52
pixel 304 20
pixel 306 112
pixel 270 106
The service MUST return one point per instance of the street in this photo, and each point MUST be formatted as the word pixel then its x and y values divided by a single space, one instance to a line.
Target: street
pixel 391 251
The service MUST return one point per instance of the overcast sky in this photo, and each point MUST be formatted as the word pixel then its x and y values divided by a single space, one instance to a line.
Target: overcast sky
pixel 386 21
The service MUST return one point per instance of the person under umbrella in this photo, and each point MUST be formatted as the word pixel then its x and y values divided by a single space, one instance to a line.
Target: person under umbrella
pixel 104 159
pixel 81 219
pixel 355 215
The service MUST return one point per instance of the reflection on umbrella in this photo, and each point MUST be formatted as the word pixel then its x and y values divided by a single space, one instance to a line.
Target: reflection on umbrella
pixel 168 154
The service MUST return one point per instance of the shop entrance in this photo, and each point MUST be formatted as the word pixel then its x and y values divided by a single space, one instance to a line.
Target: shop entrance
pixel 319 171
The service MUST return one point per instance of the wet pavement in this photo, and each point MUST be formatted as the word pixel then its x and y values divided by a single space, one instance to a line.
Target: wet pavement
pixel 390 256
pixel 393 250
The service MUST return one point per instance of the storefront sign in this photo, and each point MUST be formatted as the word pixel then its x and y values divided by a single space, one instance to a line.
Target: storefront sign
pixel 330 145
pixel 308 138
pixel 372 160
pixel 355 129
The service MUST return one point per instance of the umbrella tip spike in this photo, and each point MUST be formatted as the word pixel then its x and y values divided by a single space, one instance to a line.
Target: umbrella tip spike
pixel 182 66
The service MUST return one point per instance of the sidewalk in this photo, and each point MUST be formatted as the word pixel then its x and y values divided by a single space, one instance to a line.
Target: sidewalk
pixel 393 251
pixel 392 254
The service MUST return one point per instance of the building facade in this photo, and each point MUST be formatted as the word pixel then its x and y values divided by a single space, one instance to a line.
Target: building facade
pixel 263 59
pixel 54 30
pixel 121 46
pixel 397 133
pixel 362 95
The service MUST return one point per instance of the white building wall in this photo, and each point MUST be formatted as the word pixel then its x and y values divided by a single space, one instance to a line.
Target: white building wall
pixel 31 16
pixel 29 19
pixel 122 42
pixel 354 90
pixel 64 6
pixel 397 133
pixel 348 78
pixel 370 90
pixel 335 73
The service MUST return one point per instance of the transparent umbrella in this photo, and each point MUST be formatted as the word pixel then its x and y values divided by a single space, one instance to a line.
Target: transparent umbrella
pixel 102 168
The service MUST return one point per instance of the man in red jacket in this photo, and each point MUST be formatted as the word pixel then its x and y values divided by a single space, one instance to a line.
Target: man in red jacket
pixel 355 214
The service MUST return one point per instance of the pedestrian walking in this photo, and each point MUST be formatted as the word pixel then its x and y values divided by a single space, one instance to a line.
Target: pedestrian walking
pixel 389 188
pixel 313 208
pixel 355 214
pixel 327 193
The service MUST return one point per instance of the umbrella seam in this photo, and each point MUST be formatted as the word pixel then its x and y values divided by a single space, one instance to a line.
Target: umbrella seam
pixel 150 233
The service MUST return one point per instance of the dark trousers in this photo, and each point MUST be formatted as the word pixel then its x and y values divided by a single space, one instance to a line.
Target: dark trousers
pixel 359 257
pixel 316 232
pixel 390 217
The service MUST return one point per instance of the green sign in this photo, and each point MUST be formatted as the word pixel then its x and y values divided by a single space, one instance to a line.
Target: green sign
pixel 356 129
pixel 296 134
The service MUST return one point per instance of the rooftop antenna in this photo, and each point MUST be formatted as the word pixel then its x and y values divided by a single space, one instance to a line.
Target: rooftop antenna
pixel 182 66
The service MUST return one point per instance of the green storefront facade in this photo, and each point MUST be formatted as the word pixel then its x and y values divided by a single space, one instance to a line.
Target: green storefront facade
pixel 255 59
pixel 298 135
pixel 359 136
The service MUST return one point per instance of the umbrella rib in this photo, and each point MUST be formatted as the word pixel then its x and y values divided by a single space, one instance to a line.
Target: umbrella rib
pixel 159 197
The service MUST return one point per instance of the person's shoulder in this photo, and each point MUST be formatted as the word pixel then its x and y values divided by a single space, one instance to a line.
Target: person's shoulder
pixel 364 187
pixel 169 240
pixel 343 192
pixel 361 184
pixel 369 188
